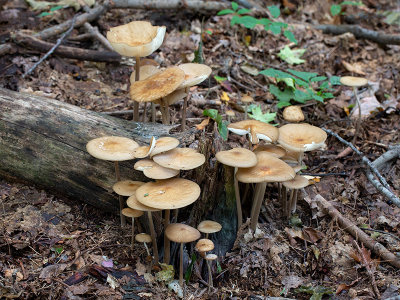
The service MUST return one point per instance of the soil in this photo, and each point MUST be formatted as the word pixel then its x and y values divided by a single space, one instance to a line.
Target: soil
pixel 54 248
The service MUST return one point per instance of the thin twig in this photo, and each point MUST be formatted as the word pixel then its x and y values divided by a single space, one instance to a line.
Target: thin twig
pixel 383 232
pixel 59 41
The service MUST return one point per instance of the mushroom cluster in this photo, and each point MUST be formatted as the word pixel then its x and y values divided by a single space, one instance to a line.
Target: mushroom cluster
pixel 149 83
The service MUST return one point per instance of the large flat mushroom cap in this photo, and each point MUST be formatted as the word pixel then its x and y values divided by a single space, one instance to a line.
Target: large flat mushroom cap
pixel 157 86
pixel 132 202
pixel 126 187
pixel 181 233
pixel 353 81
pixel 237 157
pixel 164 144
pixel 153 170
pixel 132 213
pixel 208 226
pixel 180 159
pixel 112 148
pixel 301 137
pixel 169 193
pixel 273 150
pixel 268 169
pixel 298 182
pixel 194 74
pixel 136 39
pixel 257 130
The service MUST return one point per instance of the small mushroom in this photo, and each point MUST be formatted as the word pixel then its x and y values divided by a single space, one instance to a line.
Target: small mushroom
pixel 203 246
pixel 181 233
pixel 293 114
pixel 209 258
pixel 180 159
pixel 132 213
pixel 164 144
pixel 246 99
pixel 256 130
pixel 144 238
pixel 273 150
pixel 153 170
pixel 126 187
pixel 231 114
pixel 113 148
pixel 208 226
pixel 294 185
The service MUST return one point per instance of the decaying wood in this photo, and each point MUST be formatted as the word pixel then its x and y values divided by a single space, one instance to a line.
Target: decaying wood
pixel 171 4
pixel 356 232
pixel 43 142
pixel 64 51
pixel 361 33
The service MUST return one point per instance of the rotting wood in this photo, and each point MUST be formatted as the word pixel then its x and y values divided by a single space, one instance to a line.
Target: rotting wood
pixel 171 4
pixel 43 142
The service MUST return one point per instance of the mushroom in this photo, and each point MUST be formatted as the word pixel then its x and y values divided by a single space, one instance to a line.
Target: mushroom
pixel 293 114
pixel 181 233
pixel 203 246
pixel 355 82
pixel 113 148
pixel 168 194
pixel 194 74
pixel 294 185
pixel 126 187
pixel 256 130
pixel 144 151
pixel 136 39
pixel 153 170
pixel 237 158
pixel 132 202
pixel 301 138
pixel 180 159
pixel 158 86
pixel 268 169
pixel 144 238
pixel 132 213
pixel 274 150
pixel 164 144
pixel 231 114
pixel 208 226
pixel 246 99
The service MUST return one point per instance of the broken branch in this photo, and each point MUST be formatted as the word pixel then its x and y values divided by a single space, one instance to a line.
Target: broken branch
pixel 171 4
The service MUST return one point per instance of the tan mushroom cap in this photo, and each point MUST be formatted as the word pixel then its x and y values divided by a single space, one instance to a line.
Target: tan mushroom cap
pixel 301 137
pixel 153 170
pixel 237 157
pixel 292 157
pixel 204 245
pixel 136 39
pixel 256 129
pixel 175 96
pixel 194 74
pixel 164 144
pixel 181 233
pixel 132 213
pixel 145 72
pixel 132 202
pixel 144 151
pixel 247 99
pixel 273 150
pixel 126 187
pixel 143 238
pixel 353 81
pixel 157 86
pixel 180 159
pixel 208 226
pixel 230 113
pixel 297 167
pixel 113 148
pixel 211 256
pixel 169 193
pixel 293 114
pixel 298 182
pixel 268 169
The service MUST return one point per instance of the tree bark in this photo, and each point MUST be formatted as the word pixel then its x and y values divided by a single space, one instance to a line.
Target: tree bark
pixel 171 4
pixel 43 142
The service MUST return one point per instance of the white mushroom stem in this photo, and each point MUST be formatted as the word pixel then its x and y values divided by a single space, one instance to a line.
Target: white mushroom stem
pixel 184 108
pixel 135 103
pixel 181 267
pixel 133 233
pixel 147 249
pixel 359 116
pixel 121 200
pixel 292 201
pixel 167 243
pixel 153 236
pixel 258 200
pixel 238 202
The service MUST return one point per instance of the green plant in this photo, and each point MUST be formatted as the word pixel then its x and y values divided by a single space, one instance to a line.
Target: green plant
pixel 222 125
pixel 257 114
pixel 316 292
pixel 337 9
pixel 300 86
pixel 240 16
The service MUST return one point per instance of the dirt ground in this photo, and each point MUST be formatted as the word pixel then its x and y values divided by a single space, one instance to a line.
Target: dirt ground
pixel 52 248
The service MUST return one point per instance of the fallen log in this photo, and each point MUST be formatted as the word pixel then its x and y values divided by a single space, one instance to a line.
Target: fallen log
pixel 43 142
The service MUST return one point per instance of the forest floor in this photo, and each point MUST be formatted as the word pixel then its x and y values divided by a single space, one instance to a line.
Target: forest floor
pixel 52 248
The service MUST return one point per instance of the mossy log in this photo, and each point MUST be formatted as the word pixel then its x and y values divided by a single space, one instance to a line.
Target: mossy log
pixel 43 142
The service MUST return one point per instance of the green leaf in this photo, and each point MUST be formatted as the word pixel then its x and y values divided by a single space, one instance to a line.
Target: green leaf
pixel 274 10
pixel 290 36
pixel 223 130
pixel 219 79
pixel 283 104
pixel 56 8
pixel 225 12
pixel 335 80
pixel 265 22
pixel 301 97
pixel 219 268
pixel 198 54
pixel 247 21
pixel 276 73
pixel 212 113
pixel 327 95
pixel 336 9
pixel 235 6
pixel 43 14
pixel 286 95
pixel 288 81
pixel 292 56
pixel 189 269
pixel 318 78
pixel 257 114
pixel 243 11
pixel 275 28
pixel 303 75
pixel 354 3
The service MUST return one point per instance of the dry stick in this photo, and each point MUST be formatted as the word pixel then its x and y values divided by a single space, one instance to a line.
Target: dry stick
pixel 367 265
pixel 383 232
pixel 171 4
pixel 381 186
pixel 59 41
pixel 167 244
pixel 121 200
pixel 356 232
pixel 94 32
